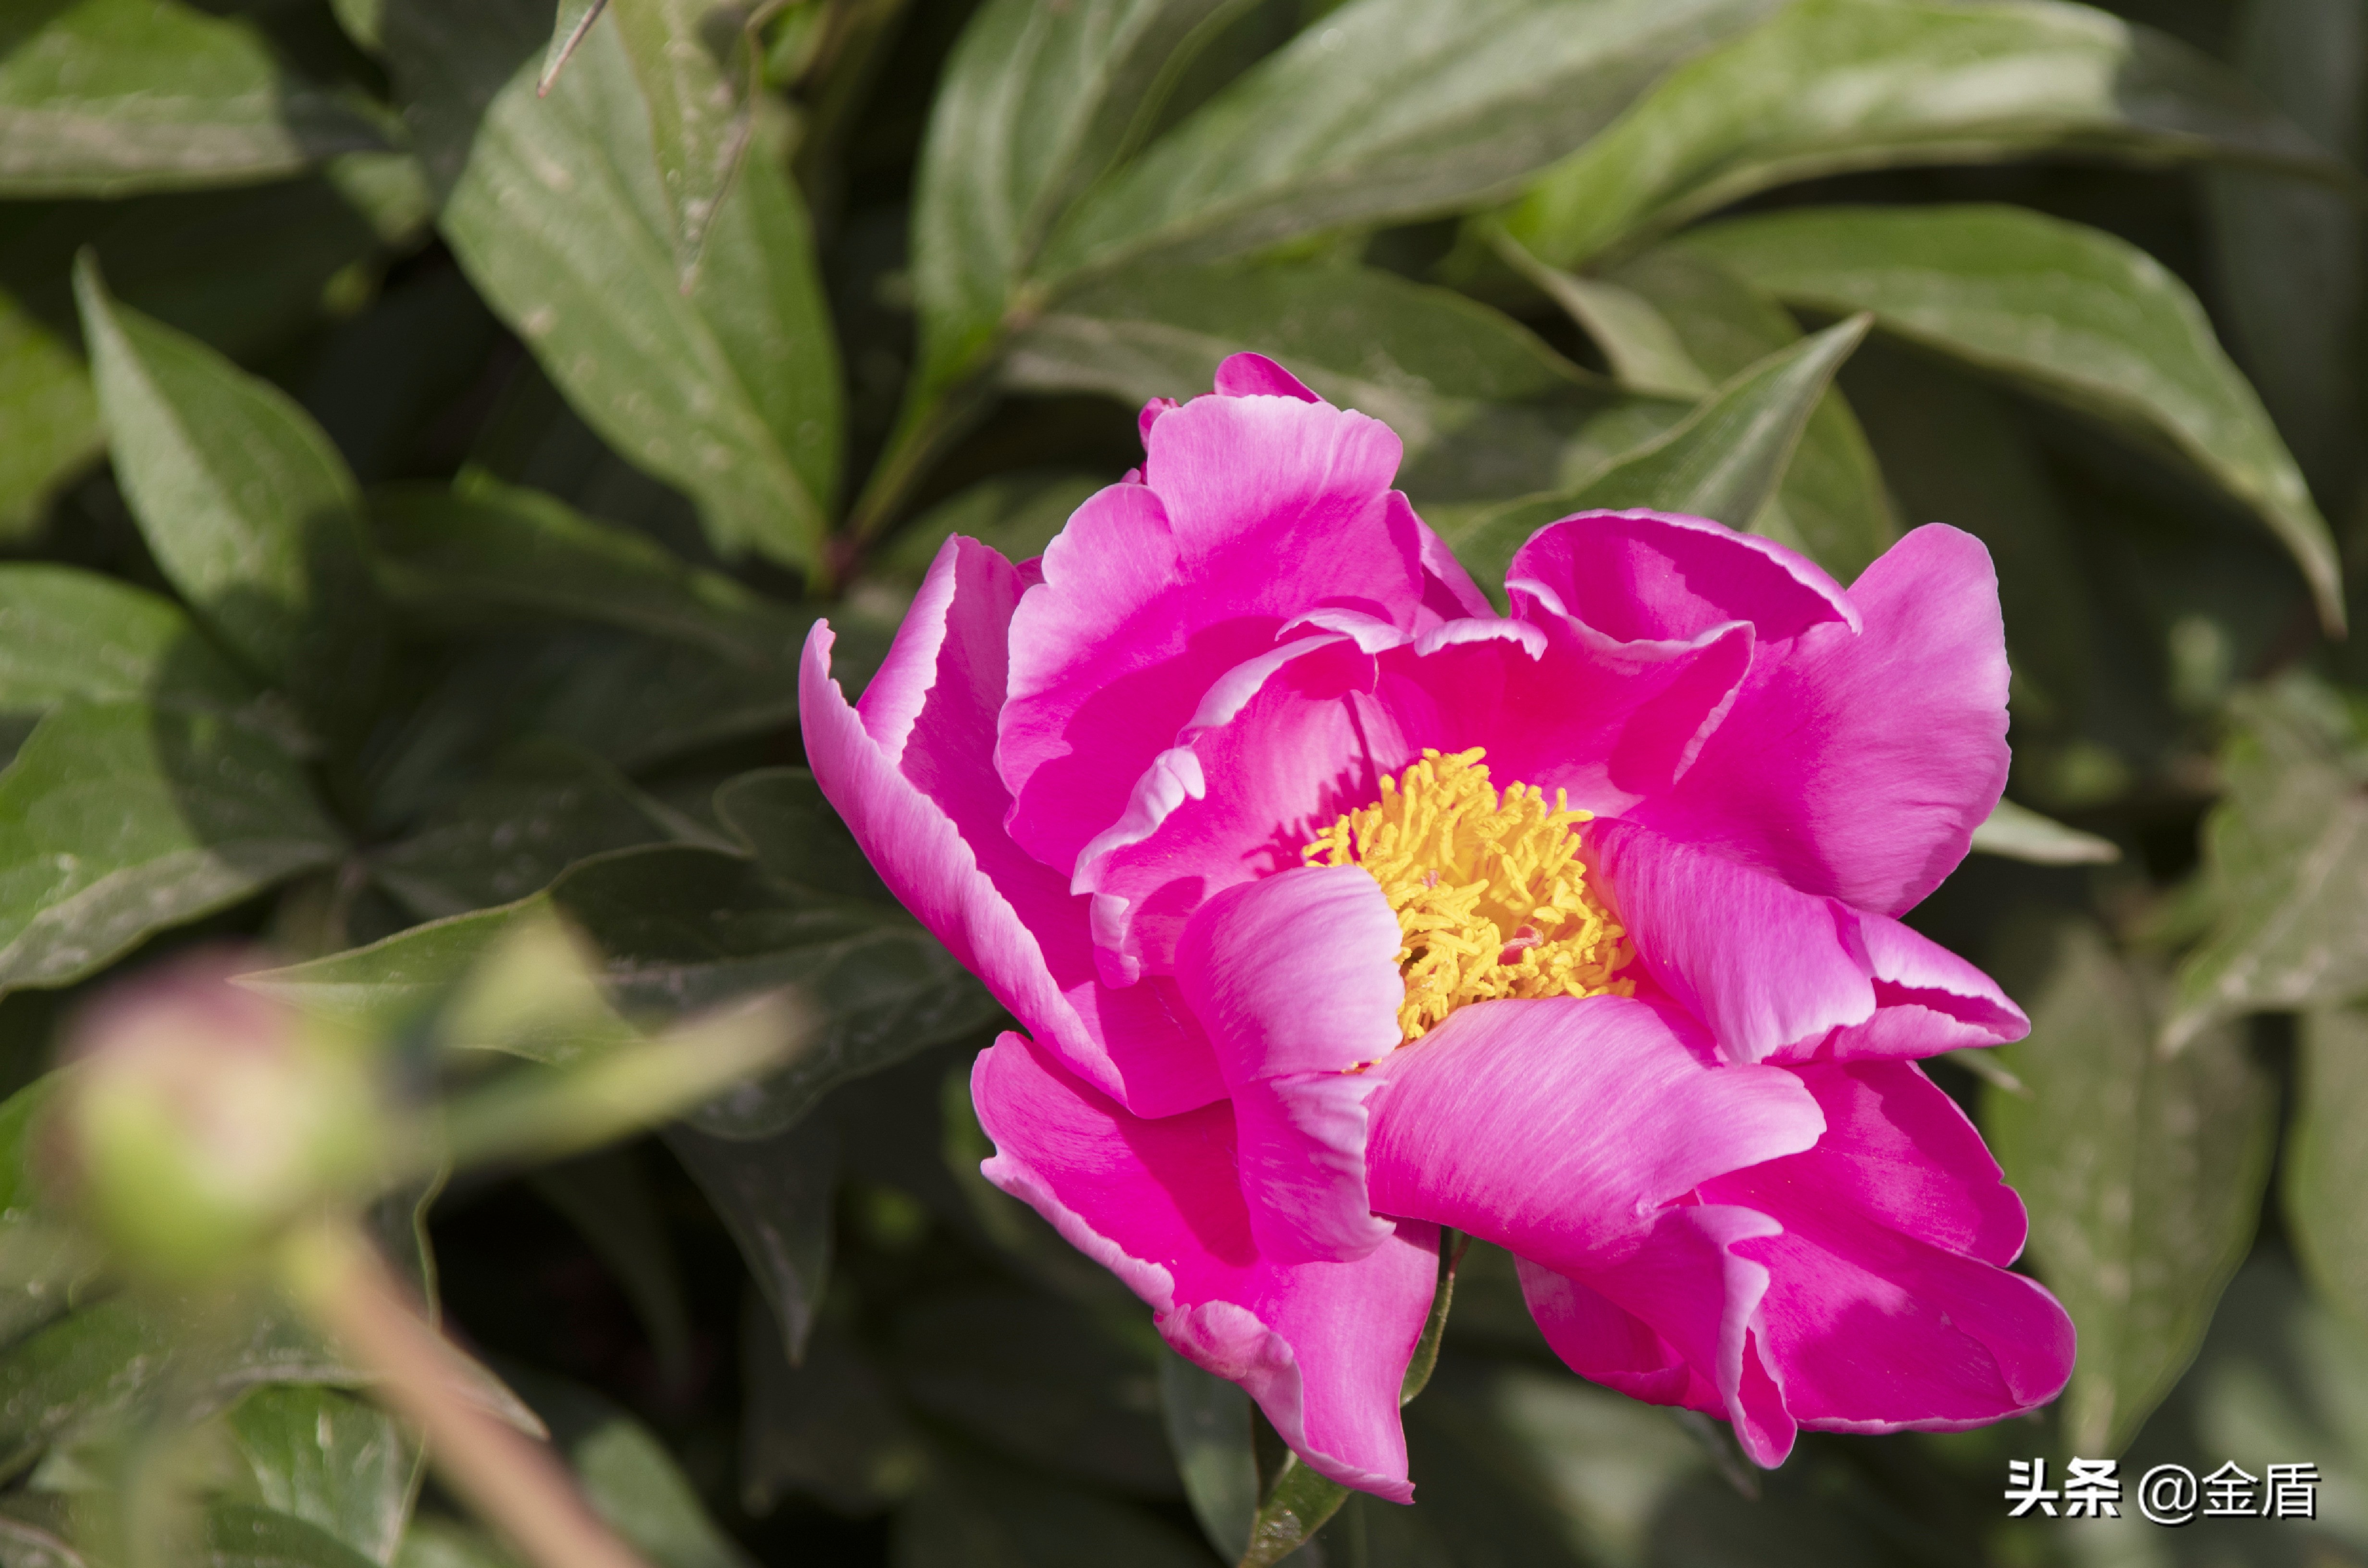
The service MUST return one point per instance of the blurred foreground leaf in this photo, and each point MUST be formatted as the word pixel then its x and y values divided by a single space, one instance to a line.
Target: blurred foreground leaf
pixel 2142 1173
pixel 330 1459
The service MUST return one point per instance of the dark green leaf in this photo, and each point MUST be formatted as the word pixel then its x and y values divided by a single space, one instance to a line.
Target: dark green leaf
pixel 829 1427
pixel 1385 110
pixel 1723 460
pixel 775 1195
pixel 242 500
pixel 238 1535
pixel 783 819
pixel 505 549
pixel 1832 86
pixel 2286 868
pixel 337 1462
pixel 1037 102
pixel 1672 323
pixel 1298 1503
pixel 1017 514
pixel 120 820
pixel 1209 1430
pixel 2326 1160
pixel 51 411
pixel 974 1512
pixel 2072 312
pixel 2142 1173
pixel 103 98
pixel 631 1480
pixel 544 806
pixel 558 209
pixel 608 1197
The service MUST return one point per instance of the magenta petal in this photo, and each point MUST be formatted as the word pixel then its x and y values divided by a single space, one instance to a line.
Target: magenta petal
pixel 1556 1128
pixel 1254 511
pixel 1322 1346
pixel 1696 1287
pixel 1603 1343
pixel 1655 577
pixel 909 777
pixel 1255 375
pixel 1295 978
pixel 1781 976
pixel 1859 765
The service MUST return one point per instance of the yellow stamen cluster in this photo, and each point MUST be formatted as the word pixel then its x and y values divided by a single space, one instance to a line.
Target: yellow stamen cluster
pixel 1491 896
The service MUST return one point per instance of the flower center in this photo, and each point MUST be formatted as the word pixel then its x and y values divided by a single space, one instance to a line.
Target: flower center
pixel 1491 896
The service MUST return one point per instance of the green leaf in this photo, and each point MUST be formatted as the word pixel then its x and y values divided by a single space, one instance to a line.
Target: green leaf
pixel 2327 1161
pixel 45 1262
pixel 1037 102
pixel 699 115
pixel 1723 460
pixel 1208 1421
pixel 558 209
pixel 1827 86
pixel 243 503
pixel 447 1543
pixel 334 1461
pixel 238 1535
pixel 2018 833
pixel 1383 110
pixel 1672 323
pixel 2142 1173
pixel 105 97
pixel 2069 311
pixel 631 1480
pixel 1482 404
pixel 1296 1507
pixel 72 636
pixel 120 820
pixel 567 29
pixel 974 1513
pixel 608 1197
pixel 51 411
pixel 829 1427
pixel 543 807
pixel 502 548
pixel 1017 514
pixel 775 1195
pixel 2286 871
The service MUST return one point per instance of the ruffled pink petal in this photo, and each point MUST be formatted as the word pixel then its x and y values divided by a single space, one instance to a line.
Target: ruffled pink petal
pixel 1859 764
pixel 1778 974
pixel 1322 1346
pixel 1285 743
pixel 1692 1293
pixel 1255 510
pixel 1888 1306
pixel 1556 1129
pixel 908 774
pixel 1255 375
pixel 1657 576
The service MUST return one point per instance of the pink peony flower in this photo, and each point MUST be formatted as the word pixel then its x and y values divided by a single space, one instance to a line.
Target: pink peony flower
pixel 1337 907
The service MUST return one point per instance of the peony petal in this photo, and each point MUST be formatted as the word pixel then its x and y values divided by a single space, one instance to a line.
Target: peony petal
pixel 1696 1287
pixel 1295 978
pixel 1255 375
pixel 1858 765
pixel 1557 1127
pixel 1322 1346
pixel 908 774
pixel 1607 1343
pixel 1782 975
pixel 1256 510
pixel 1656 576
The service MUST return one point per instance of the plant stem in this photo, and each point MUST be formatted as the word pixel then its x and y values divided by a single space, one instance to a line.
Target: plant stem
pixel 513 1483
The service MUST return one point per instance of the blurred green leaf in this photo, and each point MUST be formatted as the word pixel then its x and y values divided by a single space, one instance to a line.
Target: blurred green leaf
pixel 1385 109
pixel 631 1480
pixel 1208 1421
pixel 51 414
pixel 72 636
pixel 1037 102
pixel 974 1512
pixel 606 1196
pixel 2070 311
pixel 1828 86
pixel 1672 323
pixel 2142 1173
pixel 682 53
pixel 242 501
pixel 119 820
pixel 104 97
pixel 238 1535
pixel 45 1261
pixel 2018 833
pixel 775 1195
pixel 1036 1378
pixel 337 1462
pixel 1723 460
pixel 447 1543
pixel 2326 1160
pixel 1015 513
pixel 829 1427
pixel 504 548
pixel 2286 870
pixel 24 1544
pixel 558 209
pixel 544 806
pixel 567 29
